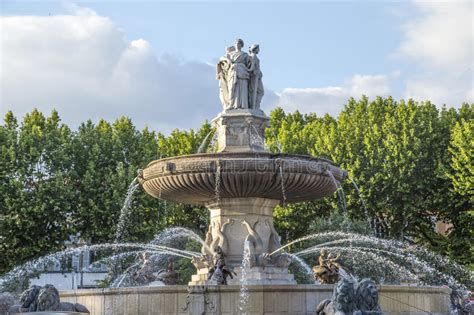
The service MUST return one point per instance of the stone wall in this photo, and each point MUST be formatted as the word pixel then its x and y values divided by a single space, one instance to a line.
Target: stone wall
pixel 268 300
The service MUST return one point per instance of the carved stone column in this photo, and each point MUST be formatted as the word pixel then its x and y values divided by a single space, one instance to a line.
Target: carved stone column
pixel 235 221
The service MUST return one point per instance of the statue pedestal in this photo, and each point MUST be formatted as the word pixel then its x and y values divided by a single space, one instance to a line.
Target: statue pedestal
pixel 254 276
pixel 235 221
pixel 241 130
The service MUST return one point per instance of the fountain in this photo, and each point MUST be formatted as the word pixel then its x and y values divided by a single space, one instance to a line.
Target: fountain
pixel 242 267
pixel 242 182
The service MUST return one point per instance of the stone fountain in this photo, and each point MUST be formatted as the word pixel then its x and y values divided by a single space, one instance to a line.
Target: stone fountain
pixel 242 182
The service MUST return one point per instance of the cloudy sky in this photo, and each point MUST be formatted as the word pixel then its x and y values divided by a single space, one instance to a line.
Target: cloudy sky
pixel 154 61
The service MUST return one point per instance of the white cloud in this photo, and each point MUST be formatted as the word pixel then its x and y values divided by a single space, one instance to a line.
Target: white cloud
pixel 82 65
pixel 370 85
pixel 332 99
pixel 441 41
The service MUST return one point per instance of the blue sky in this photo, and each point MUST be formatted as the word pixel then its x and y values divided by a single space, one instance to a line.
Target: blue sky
pixel 314 55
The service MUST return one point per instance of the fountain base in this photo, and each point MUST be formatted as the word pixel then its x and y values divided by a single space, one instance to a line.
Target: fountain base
pixel 234 222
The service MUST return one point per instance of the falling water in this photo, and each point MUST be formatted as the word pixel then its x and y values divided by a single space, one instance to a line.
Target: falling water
pixel 110 259
pixel 175 233
pixel 126 275
pixel 217 184
pixel 342 201
pixel 255 138
pixel 366 212
pixel 362 201
pixel 204 145
pixel 340 194
pixel 362 258
pixel 30 268
pixel 212 143
pixel 283 191
pixel 276 142
pixel 302 264
pixel 401 258
pixel 244 292
pixel 126 209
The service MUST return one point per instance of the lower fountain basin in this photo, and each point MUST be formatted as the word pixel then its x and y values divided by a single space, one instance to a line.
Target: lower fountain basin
pixel 201 178
pixel 263 299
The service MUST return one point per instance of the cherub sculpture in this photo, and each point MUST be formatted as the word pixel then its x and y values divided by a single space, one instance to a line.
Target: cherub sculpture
pixel 327 272
pixel 219 272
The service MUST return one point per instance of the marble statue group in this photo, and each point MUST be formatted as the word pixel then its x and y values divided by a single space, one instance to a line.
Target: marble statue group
pixel 240 77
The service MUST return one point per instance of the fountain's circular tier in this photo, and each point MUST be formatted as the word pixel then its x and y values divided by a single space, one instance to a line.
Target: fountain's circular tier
pixel 202 178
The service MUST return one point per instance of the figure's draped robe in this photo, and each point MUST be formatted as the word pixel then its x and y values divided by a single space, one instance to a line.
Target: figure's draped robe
pixel 239 80
pixel 223 71
pixel 255 84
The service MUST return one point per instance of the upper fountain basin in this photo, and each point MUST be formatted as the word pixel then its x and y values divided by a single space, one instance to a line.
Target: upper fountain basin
pixel 201 178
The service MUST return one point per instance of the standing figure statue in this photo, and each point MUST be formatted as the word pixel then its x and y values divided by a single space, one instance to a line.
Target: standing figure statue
pixel 239 76
pixel 234 75
pixel 223 72
pixel 256 86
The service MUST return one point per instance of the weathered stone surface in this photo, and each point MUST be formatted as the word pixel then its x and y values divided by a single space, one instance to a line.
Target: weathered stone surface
pixel 275 299
pixel 240 77
pixel 45 300
pixel 352 297
pixel 234 221
pixel 193 178
pixel 241 130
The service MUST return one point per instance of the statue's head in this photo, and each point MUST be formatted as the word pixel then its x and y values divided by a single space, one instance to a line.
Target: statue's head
pixel 254 49
pixel 239 43
pixel 322 252
pixel 48 298
pixel 29 296
pixel 367 295
pixel 218 250
pixel 344 297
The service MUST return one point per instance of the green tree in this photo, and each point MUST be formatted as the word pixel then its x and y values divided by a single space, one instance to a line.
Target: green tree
pixel 37 202
pixel 461 150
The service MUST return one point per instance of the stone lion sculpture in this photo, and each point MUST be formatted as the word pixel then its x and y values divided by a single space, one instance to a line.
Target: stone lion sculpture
pixel 368 297
pixel 48 300
pixel 352 298
pixel 37 298
pixel 343 300
pixel 28 301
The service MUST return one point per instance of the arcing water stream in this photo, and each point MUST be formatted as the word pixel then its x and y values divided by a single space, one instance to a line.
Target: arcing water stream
pixel 126 209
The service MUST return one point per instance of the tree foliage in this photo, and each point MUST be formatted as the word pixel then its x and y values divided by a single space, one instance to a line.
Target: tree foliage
pixel 56 183
pixel 411 161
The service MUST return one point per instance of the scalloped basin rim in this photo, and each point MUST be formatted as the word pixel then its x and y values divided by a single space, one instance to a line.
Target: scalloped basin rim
pixel 204 178
pixel 247 155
